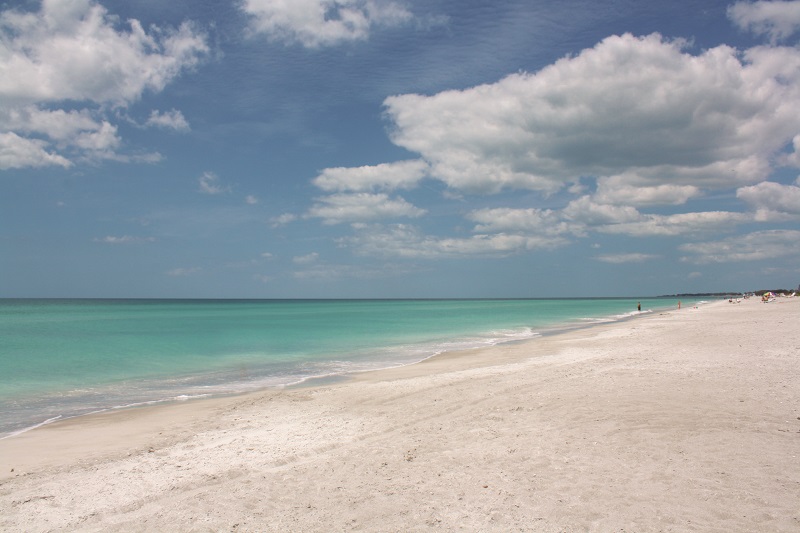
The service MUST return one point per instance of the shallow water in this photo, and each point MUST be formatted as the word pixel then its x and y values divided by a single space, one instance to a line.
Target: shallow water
pixel 62 358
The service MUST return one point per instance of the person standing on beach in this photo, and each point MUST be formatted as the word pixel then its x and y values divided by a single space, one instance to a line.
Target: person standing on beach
pixel 638 306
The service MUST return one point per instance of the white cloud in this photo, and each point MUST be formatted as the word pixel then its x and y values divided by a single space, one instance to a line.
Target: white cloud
pixel 306 259
pixel 777 20
pixel 103 140
pixel 19 152
pixel 793 159
pixel 401 240
pixel 210 184
pixel 70 50
pixel 359 207
pixel 124 239
pixel 317 23
pixel 615 190
pixel 172 119
pixel 679 224
pixel 250 199
pixel 760 245
pixel 641 110
pixel 588 212
pixel 772 200
pixel 282 220
pixel 529 221
pixel 387 176
pixel 618 259
pixel 71 53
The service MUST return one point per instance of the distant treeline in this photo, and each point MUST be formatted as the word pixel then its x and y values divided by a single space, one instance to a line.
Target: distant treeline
pixel 702 295
pixel 774 291
pixel 728 294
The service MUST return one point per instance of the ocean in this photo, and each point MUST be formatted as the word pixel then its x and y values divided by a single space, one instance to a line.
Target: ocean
pixel 66 358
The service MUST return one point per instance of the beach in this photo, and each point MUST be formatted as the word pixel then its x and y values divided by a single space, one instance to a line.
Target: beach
pixel 681 420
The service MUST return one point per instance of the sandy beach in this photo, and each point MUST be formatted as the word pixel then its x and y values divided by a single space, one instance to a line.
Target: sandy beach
pixel 675 421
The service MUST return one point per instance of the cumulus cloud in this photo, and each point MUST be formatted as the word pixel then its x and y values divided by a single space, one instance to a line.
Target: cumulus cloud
pixel 756 246
pixel 638 110
pixel 318 23
pixel 386 176
pixel 650 225
pixel 172 119
pixel 405 241
pixel 19 152
pixel 776 20
pixel 772 200
pixel 584 215
pixel 629 124
pixel 586 211
pixel 360 207
pixel 73 53
pixel 529 221
pixel 617 190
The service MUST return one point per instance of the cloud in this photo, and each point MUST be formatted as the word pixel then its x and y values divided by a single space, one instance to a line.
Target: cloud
pixel 772 200
pixel 404 241
pixel 318 23
pixel 360 207
pixel 616 191
pixel 172 119
pixel 679 224
pixel 306 259
pixel 530 221
pixel 250 199
pixel 72 54
pixel 756 246
pixel 583 215
pixel 618 259
pixel 210 184
pixel 124 239
pixel 387 176
pixel 586 211
pixel 636 110
pixel 19 152
pixel 776 20
pixel 282 220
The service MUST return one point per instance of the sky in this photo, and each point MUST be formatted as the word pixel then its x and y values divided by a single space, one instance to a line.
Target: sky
pixel 398 148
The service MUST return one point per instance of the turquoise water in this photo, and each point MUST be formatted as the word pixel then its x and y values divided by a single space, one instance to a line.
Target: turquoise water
pixel 63 358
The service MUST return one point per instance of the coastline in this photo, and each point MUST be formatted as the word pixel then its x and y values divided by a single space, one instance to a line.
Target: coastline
pixel 671 420
pixel 56 402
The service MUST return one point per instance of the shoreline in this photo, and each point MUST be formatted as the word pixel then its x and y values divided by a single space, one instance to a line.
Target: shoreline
pixel 163 413
pixel 673 420
pixel 321 379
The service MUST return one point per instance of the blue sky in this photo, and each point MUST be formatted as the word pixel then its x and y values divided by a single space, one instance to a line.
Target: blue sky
pixel 389 148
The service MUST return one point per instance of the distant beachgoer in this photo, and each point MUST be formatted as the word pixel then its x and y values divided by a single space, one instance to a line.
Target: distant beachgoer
pixel 638 306
pixel 679 304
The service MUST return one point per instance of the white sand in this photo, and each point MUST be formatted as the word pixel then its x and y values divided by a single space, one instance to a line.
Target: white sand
pixel 682 421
